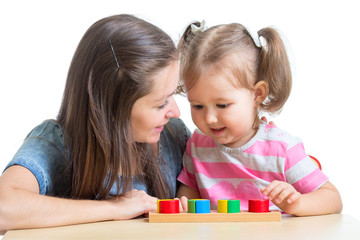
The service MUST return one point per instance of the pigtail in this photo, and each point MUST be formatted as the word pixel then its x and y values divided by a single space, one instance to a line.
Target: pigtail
pixel 182 48
pixel 186 37
pixel 274 68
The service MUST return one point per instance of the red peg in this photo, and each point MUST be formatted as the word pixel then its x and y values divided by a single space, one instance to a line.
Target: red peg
pixel 259 205
pixel 169 206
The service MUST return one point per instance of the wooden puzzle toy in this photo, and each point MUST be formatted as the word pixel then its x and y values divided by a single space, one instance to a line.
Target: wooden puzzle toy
pixel 199 211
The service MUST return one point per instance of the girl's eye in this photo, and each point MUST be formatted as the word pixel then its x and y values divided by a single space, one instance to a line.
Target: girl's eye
pixel 164 105
pixel 197 106
pixel 222 105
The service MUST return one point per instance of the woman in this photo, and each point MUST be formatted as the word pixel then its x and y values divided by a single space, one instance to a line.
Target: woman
pixel 116 145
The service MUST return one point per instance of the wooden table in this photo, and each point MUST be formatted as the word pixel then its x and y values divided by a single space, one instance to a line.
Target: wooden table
pixel 335 226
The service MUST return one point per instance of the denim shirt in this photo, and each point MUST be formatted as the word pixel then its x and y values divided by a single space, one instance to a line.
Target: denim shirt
pixel 42 152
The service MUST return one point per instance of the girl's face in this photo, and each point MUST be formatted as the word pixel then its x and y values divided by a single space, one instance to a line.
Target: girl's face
pixel 222 111
pixel 151 112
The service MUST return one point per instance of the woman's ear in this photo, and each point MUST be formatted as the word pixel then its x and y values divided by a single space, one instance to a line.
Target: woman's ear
pixel 261 92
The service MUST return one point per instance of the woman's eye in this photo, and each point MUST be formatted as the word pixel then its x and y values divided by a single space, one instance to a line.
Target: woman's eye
pixel 222 105
pixel 164 105
pixel 197 106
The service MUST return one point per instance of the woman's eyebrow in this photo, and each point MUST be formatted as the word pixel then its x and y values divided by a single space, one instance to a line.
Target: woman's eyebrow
pixel 166 96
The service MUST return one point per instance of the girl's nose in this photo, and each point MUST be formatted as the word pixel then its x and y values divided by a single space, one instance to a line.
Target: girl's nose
pixel 210 117
pixel 173 110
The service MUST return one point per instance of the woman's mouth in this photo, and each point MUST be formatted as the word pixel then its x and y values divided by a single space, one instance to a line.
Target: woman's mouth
pixel 159 129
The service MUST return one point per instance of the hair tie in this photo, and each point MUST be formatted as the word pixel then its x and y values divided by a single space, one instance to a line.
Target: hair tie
pixel 195 29
pixel 255 37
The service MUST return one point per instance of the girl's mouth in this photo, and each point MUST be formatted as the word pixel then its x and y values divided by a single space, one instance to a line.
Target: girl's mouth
pixel 217 131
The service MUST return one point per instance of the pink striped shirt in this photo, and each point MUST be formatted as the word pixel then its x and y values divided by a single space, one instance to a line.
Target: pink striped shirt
pixel 219 172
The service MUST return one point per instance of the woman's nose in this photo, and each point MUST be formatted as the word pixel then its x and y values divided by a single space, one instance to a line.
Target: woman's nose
pixel 173 111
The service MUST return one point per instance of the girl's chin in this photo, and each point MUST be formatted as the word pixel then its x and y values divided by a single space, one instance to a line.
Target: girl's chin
pixel 225 142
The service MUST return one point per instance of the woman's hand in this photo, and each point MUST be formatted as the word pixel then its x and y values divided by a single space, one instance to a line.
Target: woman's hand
pixel 134 203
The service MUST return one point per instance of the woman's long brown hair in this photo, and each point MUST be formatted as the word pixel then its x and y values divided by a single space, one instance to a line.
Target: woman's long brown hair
pixel 112 68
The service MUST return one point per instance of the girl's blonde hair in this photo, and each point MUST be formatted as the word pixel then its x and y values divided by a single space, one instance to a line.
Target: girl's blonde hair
pixel 229 48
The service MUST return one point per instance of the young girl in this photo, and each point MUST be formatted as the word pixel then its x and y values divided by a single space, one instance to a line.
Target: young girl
pixel 229 78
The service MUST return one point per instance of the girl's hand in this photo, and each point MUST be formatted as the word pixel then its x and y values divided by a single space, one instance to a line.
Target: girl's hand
pixel 183 203
pixel 263 118
pixel 134 203
pixel 283 195
pixel 184 193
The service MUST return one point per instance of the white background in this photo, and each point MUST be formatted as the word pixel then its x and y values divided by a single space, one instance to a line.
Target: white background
pixel 38 39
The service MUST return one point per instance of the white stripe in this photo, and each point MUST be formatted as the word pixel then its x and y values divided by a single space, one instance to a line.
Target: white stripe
pixel 255 162
pixel 209 154
pixel 276 134
pixel 251 161
pixel 300 170
pixel 187 162
pixel 206 182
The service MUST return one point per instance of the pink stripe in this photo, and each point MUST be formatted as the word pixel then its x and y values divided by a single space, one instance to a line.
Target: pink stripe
pixel 270 126
pixel 231 170
pixel 202 140
pixel 311 182
pixel 294 155
pixel 268 148
pixel 187 178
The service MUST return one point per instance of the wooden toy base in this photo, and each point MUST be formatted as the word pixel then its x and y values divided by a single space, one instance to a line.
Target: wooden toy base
pixel 214 216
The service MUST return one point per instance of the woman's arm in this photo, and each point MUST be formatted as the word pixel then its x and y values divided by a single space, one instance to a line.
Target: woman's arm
pixel 325 200
pixel 21 205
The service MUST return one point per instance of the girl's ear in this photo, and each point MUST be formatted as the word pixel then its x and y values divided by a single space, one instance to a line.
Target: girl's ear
pixel 261 92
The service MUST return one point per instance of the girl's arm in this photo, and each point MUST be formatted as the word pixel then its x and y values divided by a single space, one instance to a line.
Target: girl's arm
pixel 184 193
pixel 21 205
pixel 325 200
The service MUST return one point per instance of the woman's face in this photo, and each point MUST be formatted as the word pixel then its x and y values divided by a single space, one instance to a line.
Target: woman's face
pixel 151 112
